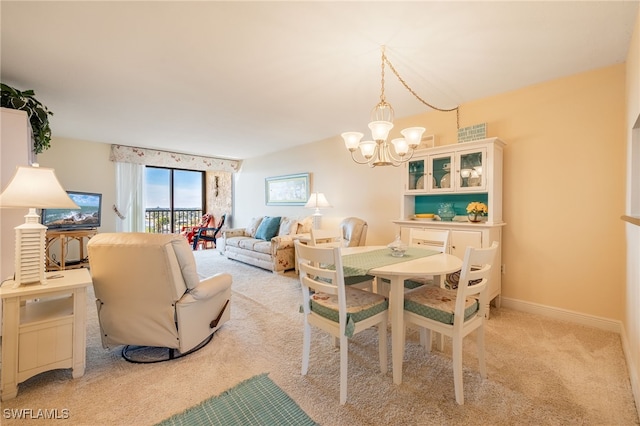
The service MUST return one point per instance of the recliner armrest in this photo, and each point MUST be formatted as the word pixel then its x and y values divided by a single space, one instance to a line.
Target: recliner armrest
pixel 210 287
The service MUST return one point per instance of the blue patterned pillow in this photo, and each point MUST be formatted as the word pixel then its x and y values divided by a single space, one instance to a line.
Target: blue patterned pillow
pixel 268 228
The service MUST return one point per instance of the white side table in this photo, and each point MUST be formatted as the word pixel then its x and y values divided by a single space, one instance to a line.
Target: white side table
pixel 44 328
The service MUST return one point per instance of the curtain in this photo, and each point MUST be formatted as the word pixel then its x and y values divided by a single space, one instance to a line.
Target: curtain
pixel 129 205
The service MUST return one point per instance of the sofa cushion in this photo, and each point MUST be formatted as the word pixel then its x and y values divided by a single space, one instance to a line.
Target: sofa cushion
pixel 288 226
pixel 253 226
pixel 268 228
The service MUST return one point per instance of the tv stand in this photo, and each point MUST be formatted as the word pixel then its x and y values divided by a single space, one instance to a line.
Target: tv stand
pixel 65 237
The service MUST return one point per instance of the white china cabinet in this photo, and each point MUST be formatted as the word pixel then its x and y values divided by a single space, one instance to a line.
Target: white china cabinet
pixel 457 174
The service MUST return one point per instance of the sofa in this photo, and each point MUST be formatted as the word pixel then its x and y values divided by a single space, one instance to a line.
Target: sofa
pixel 267 242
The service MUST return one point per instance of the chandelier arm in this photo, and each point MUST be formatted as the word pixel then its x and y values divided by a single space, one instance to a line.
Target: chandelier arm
pixel 406 86
pixel 359 161
pixel 401 160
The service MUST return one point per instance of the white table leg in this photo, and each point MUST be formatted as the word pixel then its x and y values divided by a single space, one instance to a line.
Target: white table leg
pixel 9 371
pixel 396 308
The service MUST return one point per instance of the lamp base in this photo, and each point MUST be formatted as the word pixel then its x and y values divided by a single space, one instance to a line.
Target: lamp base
pixel 30 251
pixel 317 218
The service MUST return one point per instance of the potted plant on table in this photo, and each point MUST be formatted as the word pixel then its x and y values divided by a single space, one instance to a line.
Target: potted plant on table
pixel 38 114
pixel 475 210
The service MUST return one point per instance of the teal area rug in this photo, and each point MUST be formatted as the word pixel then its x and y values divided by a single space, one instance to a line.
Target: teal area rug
pixel 256 401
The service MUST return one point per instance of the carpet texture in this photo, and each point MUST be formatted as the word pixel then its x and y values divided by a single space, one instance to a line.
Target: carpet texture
pixel 540 371
pixel 256 401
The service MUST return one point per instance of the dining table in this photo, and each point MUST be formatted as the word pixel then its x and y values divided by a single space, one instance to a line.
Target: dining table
pixel 379 262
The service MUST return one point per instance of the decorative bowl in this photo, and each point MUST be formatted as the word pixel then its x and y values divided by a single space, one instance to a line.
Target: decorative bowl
pixel 397 249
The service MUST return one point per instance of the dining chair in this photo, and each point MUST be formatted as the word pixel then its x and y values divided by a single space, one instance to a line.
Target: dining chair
pixel 340 310
pixel 326 237
pixel 455 313
pixel 432 239
pixel 333 238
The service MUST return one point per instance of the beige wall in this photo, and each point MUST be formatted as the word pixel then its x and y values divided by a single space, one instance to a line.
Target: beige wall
pixel 564 187
pixel 85 166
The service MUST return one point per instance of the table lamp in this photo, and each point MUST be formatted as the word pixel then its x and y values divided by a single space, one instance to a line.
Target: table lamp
pixel 317 201
pixel 33 187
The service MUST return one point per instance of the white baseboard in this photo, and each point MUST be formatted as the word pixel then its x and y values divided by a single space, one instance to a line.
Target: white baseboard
pixel 563 314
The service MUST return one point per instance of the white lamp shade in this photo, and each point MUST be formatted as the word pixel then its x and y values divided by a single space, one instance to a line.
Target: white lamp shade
pixel 367 148
pixel 351 140
pixel 380 130
pixel 413 135
pixel 400 145
pixel 317 200
pixel 35 187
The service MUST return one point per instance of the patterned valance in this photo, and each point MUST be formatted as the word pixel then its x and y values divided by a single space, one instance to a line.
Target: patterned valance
pixel 152 157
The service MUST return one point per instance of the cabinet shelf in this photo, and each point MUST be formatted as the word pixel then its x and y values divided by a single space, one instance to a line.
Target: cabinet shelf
pixel 46 310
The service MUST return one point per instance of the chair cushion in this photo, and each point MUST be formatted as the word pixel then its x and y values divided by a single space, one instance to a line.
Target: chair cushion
pixel 412 283
pixel 268 228
pixel 437 303
pixel 360 306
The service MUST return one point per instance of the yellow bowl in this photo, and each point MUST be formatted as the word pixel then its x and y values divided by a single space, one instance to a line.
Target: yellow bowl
pixel 425 215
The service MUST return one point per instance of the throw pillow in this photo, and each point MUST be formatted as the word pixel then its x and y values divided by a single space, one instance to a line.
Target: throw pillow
pixel 268 228
pixel 305 225
pixel 288 226
pixel 253 226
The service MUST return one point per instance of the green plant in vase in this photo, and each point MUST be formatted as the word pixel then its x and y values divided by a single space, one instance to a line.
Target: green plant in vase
pixel 38 114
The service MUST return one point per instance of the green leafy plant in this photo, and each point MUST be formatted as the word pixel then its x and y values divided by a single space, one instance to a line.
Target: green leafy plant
pixel 37 112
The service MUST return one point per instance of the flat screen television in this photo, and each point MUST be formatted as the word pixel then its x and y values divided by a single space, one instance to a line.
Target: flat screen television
pixel 87 217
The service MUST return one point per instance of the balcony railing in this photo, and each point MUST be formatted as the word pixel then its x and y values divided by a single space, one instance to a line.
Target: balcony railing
pixel 158 221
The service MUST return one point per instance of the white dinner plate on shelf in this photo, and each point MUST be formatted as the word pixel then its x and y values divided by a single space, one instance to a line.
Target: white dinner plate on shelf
pixel 420 183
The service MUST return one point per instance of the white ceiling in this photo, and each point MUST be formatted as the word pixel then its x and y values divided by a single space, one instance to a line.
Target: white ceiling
pixel 242 79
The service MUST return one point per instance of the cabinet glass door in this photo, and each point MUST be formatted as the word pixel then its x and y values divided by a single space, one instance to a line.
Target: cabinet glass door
pixel 471 167
pixel 415 175
pixel 440 173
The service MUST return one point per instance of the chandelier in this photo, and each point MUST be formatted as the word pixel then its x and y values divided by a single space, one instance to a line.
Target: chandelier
pixel 378 152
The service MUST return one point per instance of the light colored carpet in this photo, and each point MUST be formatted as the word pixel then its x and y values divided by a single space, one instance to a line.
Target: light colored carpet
pixel 540 371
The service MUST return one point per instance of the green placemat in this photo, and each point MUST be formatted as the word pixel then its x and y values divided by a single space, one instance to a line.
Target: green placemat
pixel 256 401
pixel 362 263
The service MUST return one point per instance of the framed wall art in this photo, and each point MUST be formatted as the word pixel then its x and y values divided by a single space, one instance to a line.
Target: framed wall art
pixel 288 190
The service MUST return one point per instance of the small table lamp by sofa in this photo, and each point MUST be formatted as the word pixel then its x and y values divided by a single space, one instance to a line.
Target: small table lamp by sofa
pixel 33 187
pixel 317 201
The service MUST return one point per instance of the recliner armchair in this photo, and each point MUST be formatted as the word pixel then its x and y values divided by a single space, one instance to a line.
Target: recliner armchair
pixel 354 231
pixel 149 294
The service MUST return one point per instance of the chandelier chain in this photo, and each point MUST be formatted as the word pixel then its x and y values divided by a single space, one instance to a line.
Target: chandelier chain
pixel 385 60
